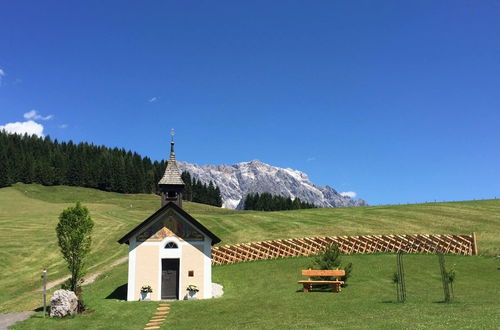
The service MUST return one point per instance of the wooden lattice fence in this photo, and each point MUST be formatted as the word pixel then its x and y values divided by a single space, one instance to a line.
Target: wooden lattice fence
pixel 418 243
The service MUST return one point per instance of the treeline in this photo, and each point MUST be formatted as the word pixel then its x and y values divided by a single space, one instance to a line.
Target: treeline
pixel 196 191
pixel 31 159
pixel 269 202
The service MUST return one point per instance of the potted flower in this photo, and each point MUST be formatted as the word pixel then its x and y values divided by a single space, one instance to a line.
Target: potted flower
pixel 146 292
pixel 192 290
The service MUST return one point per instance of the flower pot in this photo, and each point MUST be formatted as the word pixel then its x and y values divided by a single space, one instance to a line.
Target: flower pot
pixel 145 295
pixel 191 295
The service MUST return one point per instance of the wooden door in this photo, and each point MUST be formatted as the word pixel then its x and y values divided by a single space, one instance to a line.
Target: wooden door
pixel 170 279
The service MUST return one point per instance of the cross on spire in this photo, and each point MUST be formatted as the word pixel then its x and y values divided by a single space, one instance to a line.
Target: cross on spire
pixel 172 153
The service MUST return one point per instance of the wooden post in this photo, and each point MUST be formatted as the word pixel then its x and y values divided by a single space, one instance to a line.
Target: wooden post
pixel 44 276
pixel 474 244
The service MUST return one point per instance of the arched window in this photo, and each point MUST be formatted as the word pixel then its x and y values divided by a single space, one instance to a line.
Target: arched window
pixel 171 245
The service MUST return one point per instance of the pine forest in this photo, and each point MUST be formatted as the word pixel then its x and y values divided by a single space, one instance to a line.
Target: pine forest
pixel 31 159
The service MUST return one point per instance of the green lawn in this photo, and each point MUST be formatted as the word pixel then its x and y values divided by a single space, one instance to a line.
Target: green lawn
pixel 265 295
pixel 28 216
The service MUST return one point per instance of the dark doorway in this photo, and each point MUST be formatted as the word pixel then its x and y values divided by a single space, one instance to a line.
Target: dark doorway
pixel 170 279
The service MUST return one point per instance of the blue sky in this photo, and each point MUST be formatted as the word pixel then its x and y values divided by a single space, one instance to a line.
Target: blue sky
pixel 398 101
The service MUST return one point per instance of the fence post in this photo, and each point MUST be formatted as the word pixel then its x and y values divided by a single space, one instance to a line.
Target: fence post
pixel 44 276
pixel 474 244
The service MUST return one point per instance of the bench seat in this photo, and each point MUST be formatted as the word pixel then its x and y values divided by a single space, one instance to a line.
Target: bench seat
pixel 321 282
pixel 334 284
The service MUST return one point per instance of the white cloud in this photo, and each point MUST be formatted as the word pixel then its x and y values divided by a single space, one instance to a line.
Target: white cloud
pixel 2 74
pixel 63 126
pixel 153 99
pixel 29 127
pixel 350 194
pixel 33 114
pixel 311 159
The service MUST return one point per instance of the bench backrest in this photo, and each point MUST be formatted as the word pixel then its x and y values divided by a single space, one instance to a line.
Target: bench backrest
pixel 312 272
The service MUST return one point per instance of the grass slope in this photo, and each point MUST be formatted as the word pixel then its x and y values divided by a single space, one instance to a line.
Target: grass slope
pixel 265 295
pixel 28 216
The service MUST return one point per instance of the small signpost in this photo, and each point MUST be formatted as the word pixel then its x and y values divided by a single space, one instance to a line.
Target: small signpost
pixel 44 277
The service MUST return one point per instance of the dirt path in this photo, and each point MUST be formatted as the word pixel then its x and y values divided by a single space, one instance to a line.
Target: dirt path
pixel 89 279
pixel 6 320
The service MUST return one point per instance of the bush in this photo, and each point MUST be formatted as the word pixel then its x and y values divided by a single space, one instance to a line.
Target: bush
pixel 330 259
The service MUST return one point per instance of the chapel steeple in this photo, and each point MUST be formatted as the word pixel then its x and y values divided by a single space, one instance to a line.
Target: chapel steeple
pixel 171 185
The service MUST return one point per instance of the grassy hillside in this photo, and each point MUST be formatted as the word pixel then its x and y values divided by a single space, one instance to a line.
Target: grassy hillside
pixel 265 295
pixel 482 217
pixel 28 216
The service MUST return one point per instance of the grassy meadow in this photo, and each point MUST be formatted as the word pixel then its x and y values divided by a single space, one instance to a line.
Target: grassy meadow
pixel 29 214
pixel 264 294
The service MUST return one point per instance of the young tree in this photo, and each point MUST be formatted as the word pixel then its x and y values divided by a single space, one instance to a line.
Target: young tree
pixel 330 259
pixel 74 237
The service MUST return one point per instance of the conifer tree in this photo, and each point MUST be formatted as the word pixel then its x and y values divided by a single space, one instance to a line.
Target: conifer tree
pixel 269 202
pixel 5 169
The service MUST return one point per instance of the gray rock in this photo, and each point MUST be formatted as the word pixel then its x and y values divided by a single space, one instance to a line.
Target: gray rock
pixel 63 303
pixel 238 180
pixel 217 290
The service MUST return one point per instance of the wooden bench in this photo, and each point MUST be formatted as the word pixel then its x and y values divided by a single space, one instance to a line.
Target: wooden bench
pixel 335 285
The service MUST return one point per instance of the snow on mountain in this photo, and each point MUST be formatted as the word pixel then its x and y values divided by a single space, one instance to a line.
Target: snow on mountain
pixel 236 181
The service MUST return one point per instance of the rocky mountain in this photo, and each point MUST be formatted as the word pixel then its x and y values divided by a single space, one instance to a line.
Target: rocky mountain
pixel 236 181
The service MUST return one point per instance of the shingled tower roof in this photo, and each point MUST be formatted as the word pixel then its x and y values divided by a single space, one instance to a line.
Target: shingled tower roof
pixel 172 174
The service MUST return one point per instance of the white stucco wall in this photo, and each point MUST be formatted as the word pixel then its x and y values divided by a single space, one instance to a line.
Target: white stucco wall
pixel 145 266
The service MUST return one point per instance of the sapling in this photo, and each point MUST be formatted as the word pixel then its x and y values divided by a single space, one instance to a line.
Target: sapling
pixel 330 259
pixel 444 278
pixel 451 274
pixel 74 238
pixel 395 280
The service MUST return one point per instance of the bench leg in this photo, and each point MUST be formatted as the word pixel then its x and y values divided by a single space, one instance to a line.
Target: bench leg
pixel 335 287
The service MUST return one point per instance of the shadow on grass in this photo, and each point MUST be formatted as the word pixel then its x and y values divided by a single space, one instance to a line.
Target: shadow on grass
pixel 40 309
pixel 318 291
pixel 445 302
pixel 120 293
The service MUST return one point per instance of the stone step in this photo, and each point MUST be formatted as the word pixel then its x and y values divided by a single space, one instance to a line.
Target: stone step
pixel 161 313
pixel 154 323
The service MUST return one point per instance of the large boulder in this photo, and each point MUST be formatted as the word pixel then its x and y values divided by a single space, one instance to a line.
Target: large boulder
pixel 217 290
pixel 63 303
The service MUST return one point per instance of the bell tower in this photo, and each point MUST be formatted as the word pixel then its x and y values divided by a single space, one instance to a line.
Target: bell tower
pixel 171 185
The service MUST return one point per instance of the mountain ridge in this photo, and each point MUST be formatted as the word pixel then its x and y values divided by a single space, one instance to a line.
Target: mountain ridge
pixel 237 180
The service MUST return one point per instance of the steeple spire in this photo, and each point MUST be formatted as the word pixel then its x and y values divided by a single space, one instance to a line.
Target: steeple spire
pixel 172 152
pixel 171 185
